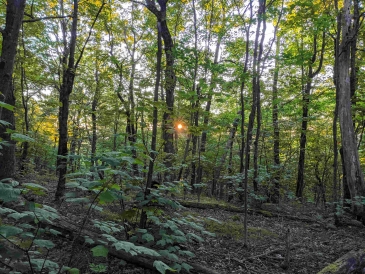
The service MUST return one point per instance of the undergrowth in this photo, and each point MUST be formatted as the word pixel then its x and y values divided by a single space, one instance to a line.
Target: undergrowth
pixel 27 228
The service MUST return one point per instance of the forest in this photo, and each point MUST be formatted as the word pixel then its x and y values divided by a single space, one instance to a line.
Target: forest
pixel 187 136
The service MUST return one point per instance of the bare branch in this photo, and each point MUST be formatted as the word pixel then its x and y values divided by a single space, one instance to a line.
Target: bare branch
pixel 29 15
pixel 45 18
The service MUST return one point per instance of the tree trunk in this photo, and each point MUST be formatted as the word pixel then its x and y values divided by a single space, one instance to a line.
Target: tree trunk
pixel 217 170
pixel 306 101
pixel 354 175
pixel 275 191
pixel 25 101
pixel 65 91
pixel 207 111
pixel 255 92
pixel 257 86
pixel 143 219
pixel 10 34
pixel 94 106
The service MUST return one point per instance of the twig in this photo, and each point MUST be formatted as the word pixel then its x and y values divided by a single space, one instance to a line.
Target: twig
pixel 46 18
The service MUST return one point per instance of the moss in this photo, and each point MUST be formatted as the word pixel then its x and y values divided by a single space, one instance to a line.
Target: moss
pixel 229 229
pixel 266 213
pixel 331 268
pixel 235 230
pixel 258 233
pixel 189 214
pixel 236 218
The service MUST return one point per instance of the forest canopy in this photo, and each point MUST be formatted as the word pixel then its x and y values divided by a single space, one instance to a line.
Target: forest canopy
pixel 255 100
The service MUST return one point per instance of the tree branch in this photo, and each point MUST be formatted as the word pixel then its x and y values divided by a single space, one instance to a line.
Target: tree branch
pixel 45 18
pixel 90 31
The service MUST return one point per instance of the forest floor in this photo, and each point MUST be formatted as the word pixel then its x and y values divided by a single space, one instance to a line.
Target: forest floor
pixel 314 242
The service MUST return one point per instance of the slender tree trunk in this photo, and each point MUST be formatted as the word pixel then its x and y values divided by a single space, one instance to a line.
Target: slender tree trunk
pixel 217 170
pixel 207 112
pixel 255 91
pixel 354 175
pixel 94 105
pixel 306 101
pixel 68 78
pixel 10 34
pixel 69 66
pixel 257 85
pixel 275 192
pixel 25 101
pixel 170 82
pixel 153 155
pixel 335 115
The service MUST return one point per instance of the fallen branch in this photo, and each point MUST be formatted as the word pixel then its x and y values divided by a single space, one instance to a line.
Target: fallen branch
pixel 265 213
pixel 351 262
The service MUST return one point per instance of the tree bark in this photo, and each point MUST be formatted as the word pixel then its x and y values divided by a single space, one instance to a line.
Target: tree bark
pixel 306 101
pixel 69 66
pixel 354 175
pixel 170 81
pixel 143 219
pixel 217 170
pixel 10 34
pixel 275 191
pixel 68 77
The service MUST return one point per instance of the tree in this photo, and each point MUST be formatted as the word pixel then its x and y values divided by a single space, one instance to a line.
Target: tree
pixel 351 162
pixel 10 34
pixel 69 67
pixel 170 78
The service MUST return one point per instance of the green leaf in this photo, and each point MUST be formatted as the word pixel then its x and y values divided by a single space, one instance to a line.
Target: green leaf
pixel 8 231
pixel 192 235
pixel 38 264
pixel 186 252
pixel 107 197
pixel 169 255
pixel 21 138
pixel 162 267
pixel 126 246
pixel 28 226
pixel 74 271
pixel 147 251
pixel 100 251
pixel 26 215
pixel 8 193
pixel 46 213
pixel 7 106
pixel 4 210
pixel 5 123
pixel 148 237
pixel 186 266
pixel 54 232
pixel 89 240
pixel 44 243
pixel 77 200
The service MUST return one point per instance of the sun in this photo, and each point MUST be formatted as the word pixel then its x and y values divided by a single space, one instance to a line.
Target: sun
pixel 179 126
